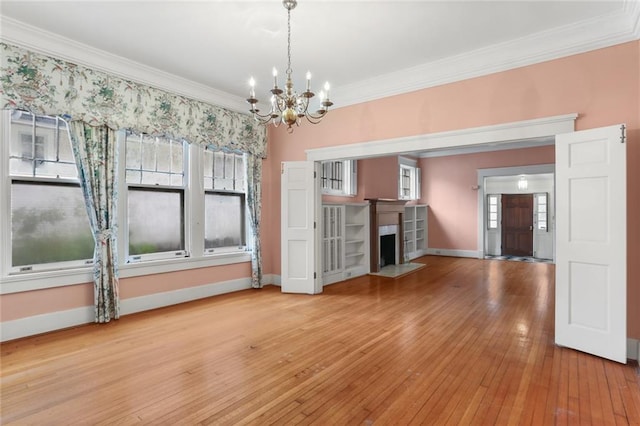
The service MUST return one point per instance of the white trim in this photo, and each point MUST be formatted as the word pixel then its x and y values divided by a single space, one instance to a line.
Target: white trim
pixel 590 34
pixel 37 324
pixel 168 298
pixel 487 135
pixel 633 349
pixel 601 31
pixel 50 44
pixel 275 280
pixel 452 252
pixel 504 171
pixel 41 280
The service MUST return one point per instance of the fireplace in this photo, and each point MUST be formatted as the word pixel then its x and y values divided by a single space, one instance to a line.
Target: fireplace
pixel 386 218
pixel 388 245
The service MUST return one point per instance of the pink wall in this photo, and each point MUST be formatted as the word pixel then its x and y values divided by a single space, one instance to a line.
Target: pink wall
pixel 37 302
pixel 379 177
pixel 453 205
pixel 602 86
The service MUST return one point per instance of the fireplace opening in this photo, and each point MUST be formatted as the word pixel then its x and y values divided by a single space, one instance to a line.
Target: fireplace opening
pixel 387 250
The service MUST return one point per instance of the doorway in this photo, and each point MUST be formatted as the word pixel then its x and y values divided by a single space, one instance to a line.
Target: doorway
pixel 517 224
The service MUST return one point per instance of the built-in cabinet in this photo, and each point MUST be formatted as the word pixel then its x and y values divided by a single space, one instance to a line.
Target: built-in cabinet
pixel 345 241
pixel 415 231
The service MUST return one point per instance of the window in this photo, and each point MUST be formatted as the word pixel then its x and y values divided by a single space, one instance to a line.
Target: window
pixel 492 211
pixel 49 224
pixel 163 203
pixel 155 177
pixel 223 171
pixel 542 211
pixel 339 177
pixel 409 180
pixel 224 201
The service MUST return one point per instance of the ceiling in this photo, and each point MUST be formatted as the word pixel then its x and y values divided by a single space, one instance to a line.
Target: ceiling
pixel 366 49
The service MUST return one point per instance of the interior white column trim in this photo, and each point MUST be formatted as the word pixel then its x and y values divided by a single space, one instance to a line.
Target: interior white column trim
pixel 485 135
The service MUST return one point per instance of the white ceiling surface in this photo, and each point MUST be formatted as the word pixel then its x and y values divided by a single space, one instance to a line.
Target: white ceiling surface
pixel 366 49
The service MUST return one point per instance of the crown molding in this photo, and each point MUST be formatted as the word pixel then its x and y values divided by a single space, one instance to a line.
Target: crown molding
pixel 599 32
pixel 603 31
pixel 47 43
pixel 632 8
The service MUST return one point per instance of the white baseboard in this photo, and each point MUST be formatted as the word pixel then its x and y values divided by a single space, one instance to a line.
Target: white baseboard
pixel 453 253
pixel 272 280
pixel 633 349
pixel 37 324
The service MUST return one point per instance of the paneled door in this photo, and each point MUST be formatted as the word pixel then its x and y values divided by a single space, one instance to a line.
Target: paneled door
pixel 517 224
pixel 591 254
pixel 298 228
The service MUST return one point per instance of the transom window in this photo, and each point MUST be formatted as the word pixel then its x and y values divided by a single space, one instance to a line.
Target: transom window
pixel 339 177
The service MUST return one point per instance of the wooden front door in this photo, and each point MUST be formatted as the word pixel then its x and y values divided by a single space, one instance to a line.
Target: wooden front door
pixel 517 224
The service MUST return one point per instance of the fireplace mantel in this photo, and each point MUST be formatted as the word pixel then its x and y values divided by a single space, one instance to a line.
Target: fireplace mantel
pixel 384 211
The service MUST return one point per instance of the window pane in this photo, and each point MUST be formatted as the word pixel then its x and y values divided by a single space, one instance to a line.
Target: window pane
pixel 208 165
pixel 150 161
pixel 49 224
pixel 224 220
pixel 40 146
pixel 542 207
pixel 493 224
pixel 156 221
pixel 163 155
pixel 493 208
pixel 493 216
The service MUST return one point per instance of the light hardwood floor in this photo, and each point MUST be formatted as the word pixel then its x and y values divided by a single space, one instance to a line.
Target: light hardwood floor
pixel 461 341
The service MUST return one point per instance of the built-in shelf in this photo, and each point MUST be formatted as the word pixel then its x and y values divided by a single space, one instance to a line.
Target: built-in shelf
pixel 347 225
pixel 415 231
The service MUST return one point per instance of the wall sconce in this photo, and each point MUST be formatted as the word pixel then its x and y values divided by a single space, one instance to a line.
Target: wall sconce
pixel 523 184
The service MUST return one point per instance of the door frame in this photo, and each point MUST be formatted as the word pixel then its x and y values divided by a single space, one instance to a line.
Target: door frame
pixel 482 197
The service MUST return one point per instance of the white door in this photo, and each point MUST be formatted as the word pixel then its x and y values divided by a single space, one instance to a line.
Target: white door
pixel 591 267
pixel 298 217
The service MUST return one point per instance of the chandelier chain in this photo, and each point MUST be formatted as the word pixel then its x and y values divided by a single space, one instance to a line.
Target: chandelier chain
pixel 289 71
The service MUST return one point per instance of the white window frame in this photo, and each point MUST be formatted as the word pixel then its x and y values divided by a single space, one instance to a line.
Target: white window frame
pixel 347 173
pixel 184 188
pixel 537 212
pixel 495 197
pixel 82 274
pixel 7 269
pixel 410 166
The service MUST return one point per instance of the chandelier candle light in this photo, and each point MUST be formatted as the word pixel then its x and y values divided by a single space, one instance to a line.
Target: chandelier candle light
pixel 287 106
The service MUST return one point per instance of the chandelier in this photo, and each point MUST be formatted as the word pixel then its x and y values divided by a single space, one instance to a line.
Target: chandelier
pixel 287 106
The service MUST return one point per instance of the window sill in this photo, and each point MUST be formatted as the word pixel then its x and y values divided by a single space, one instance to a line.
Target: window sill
pixel 51 279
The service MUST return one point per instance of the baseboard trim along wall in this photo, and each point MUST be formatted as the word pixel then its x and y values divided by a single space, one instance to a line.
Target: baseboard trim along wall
pixel 453 253
pixel 633 349
pixel 38 324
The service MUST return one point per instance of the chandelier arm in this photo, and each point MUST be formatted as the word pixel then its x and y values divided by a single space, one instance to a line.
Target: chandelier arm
pixel 314 119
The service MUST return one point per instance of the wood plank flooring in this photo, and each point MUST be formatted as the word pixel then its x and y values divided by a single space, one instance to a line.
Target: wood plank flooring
pixel 459 342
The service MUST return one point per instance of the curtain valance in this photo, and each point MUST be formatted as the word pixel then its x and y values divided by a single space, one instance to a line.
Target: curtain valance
pixel 45 85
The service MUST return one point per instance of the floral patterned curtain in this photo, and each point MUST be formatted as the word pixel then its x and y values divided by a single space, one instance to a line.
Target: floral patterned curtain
pixel 45 85
pixel 254 196
pixel 95 150
pixel 95 100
